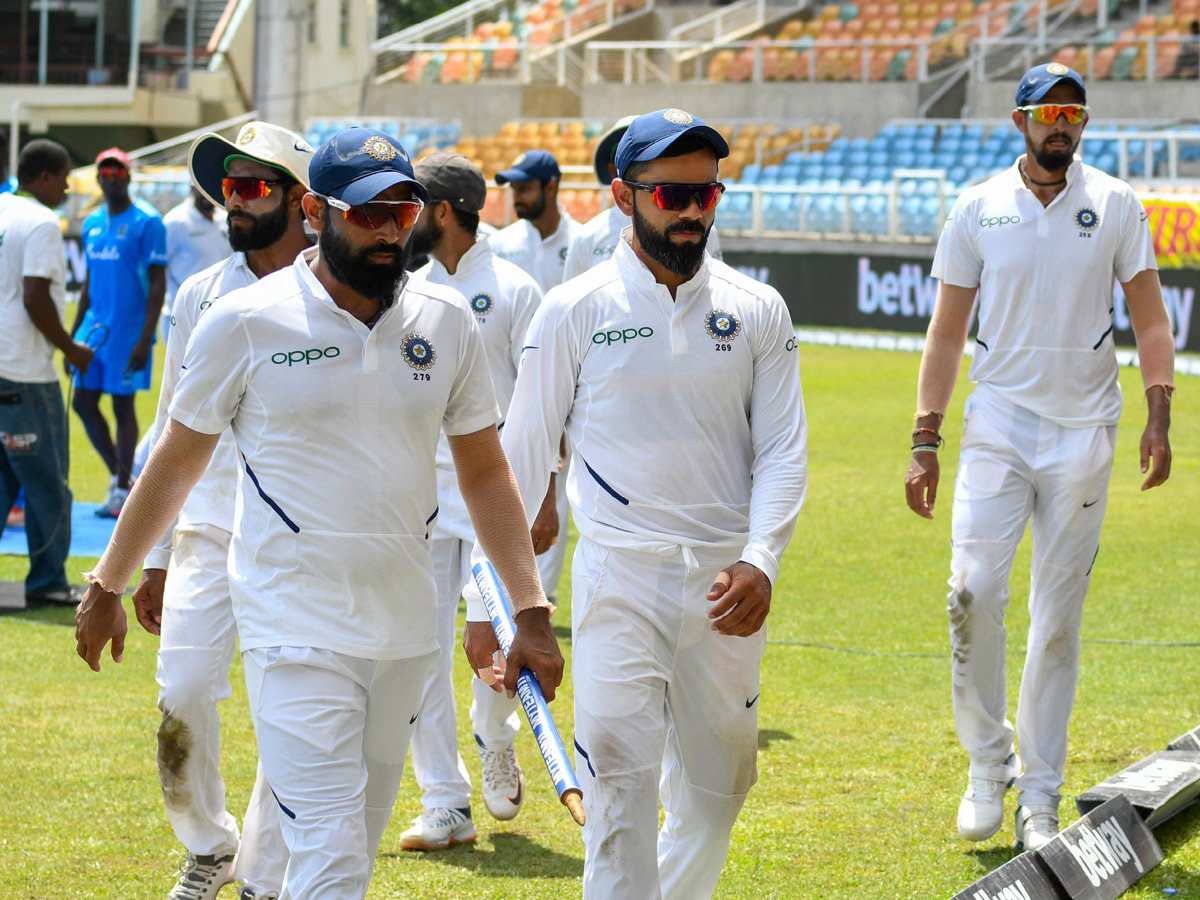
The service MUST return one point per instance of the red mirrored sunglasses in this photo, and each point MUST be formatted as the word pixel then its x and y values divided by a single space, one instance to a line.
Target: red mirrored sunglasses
pixel 375 213
pixel 249 188
pixel 678 197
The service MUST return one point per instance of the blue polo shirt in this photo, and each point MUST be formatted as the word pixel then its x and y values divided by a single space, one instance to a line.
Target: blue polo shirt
pixel 120 250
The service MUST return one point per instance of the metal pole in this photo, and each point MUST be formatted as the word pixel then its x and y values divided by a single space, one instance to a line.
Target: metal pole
pixel 189 44
pixel 100 35
pixel 43 39
pixel 135 45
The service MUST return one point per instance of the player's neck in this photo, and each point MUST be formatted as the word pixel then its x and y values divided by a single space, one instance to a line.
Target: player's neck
pixel 452 248
pixel 1045 184
pixel 280 254
pixel 116 207
pixel 547 223
pixel 663 275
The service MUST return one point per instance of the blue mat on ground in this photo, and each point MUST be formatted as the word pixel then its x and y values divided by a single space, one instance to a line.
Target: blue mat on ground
pixel 89 533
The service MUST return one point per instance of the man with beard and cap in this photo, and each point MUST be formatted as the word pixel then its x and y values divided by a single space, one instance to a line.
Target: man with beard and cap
pixel 503 299
pixel 125 246
pixel 184 591
pixel 596 240
pixel 661 355
pixel 196 239
pixel 1039 247
pixel 336 377
pixel 538 242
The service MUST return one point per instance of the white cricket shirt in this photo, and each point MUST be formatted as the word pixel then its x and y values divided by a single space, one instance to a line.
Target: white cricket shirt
pixel 31 246
pixel 503 299
pixel 521 243
pixel 193 244
pixel 596 240
pixel 1045 277
pixel 211 501
pixel 685 418
pixel 336 428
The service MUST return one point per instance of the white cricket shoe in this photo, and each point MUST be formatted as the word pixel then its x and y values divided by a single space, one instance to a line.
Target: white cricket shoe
pixel 503 783
pixel 247 894
pixel 1036 826
pixel 437 829
pixel 982 809
pixel 202 877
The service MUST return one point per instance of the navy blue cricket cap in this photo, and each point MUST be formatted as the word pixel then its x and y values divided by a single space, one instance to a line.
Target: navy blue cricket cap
pixel 1036 83
pixel 532 165
pixel 649 136
pixel 358 164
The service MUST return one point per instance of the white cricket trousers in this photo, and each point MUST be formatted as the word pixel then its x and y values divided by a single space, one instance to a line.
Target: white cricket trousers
pixel 333 731
pixel 661 701
pixel 1017 468
pixel 194 653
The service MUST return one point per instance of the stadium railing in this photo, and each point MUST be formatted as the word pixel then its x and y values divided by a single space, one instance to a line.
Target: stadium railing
pixel 1142 58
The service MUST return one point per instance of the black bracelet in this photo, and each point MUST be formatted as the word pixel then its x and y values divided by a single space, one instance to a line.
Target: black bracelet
pixel 933 448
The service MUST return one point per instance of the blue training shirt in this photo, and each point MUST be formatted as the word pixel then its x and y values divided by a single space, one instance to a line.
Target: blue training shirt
pixel 119 251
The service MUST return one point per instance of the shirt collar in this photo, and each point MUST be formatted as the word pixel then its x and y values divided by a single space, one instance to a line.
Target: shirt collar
pixel 1074 170
pixel 636 274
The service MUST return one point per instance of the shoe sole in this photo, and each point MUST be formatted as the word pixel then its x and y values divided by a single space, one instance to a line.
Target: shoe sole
pixel 429 848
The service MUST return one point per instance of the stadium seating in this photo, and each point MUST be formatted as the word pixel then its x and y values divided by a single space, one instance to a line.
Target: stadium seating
pixel 418 138
pixel 1127 55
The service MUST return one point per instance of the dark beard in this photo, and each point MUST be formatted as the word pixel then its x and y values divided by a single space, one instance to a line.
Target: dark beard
pixel 1051 160
pixel 423 239
pixel 263 230
pixel 680 259
pixel 376 281
pixel 532 212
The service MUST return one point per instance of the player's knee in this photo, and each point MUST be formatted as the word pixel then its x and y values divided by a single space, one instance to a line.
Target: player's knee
pixel 190 684
pixel 978 584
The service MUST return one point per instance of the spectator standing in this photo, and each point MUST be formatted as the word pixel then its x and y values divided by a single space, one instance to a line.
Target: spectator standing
pixel 125 245
pixel 34 451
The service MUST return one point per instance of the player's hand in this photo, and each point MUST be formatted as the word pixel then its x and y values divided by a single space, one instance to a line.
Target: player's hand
pixel 139 357
pixel 78 357
pixel 534 648
pixel 921 482
pixel 148 599
pixel 544 532
pixel 99 619
pixel 1156 447
pixel 481 647
pixel 743 598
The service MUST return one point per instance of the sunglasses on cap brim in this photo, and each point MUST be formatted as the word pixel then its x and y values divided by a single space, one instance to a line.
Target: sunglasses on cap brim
pixel 1048 113
pixel 678 197
pixel 375 213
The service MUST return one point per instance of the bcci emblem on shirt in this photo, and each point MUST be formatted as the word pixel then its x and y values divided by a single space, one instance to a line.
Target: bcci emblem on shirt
pixel 482 304
pixel 722 325
pixel 1087 219
pixel 419 352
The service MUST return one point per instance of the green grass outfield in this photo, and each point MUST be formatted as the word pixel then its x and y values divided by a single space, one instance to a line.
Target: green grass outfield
pixel 859 769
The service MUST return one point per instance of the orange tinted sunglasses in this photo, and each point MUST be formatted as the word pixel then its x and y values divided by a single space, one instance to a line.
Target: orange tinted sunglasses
pixel 1048 113
pixel 375 213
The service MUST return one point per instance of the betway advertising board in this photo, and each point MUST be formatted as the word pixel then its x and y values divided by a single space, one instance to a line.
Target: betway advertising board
pixel 897 293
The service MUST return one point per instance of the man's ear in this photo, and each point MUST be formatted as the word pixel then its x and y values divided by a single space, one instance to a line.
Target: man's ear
pixel 623 196
pixel 314 208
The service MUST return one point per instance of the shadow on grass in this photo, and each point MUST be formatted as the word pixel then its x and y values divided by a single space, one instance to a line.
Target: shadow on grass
pixel 1179 830
pixel 511 855
pixel 767 736
pixel 45 614
pixel 992 858
pixel 563 633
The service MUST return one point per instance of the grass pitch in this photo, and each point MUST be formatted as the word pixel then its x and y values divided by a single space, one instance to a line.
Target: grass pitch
pixel 859 769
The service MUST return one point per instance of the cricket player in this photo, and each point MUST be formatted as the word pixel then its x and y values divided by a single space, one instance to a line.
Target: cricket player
pixel 677 382
pixel 503 299
pixel 125 243
pixel 184 591
pixel 538 243
pixel 335 377
pixel 1038 246
pixel 596 240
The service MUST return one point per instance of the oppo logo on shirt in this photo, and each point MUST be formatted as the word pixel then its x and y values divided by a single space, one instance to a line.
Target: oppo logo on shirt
pixel 999 221
pixel 295 357
pixel 622 336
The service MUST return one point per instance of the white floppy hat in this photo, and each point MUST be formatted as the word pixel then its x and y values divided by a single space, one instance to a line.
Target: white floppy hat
pixel 209 156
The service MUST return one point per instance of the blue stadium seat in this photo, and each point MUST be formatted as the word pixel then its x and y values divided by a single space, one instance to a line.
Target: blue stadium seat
pixel 904 161
pixel 736 211
pixel 957 175
pixel 880 158
pixel 750 174
pixel 834 173
pixel 858 174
